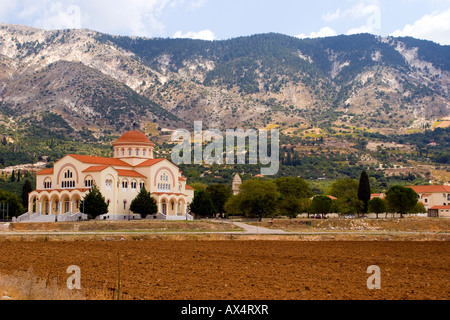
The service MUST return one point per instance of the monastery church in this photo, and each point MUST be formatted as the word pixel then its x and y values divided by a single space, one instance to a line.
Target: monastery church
pixel 59 190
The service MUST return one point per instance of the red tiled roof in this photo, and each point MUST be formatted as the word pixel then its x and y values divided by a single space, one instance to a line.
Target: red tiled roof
pixel 150 162
pixel 168 193
pixel 96 168
pixel 440 207
pixel 130 173
pixel 430 189
pixel 133 137
pixel 45 171
pixel 100 160
pixel 189 187
pixel 61 190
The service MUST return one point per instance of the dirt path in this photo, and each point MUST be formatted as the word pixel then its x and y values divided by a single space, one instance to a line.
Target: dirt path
pixel 249 229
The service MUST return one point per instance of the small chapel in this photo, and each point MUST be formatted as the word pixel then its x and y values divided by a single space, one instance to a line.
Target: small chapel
pixel 59 190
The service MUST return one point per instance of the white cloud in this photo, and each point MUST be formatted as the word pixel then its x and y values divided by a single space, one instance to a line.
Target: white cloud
pixel 59 16
pixel 366 28
pixel 370 10
pixel 131 17
pixel 201 35
pixel 191 4
pixel 194 4
pixel 361 9
pixel 434 27
pixel 322 33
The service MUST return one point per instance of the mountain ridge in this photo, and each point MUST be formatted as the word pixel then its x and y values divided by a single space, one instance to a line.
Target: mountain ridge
pixel 90 85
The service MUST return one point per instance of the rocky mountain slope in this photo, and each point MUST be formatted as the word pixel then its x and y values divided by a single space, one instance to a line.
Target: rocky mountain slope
pixel 71 81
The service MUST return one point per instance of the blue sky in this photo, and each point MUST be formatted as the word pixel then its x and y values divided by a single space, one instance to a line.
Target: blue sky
pixel 220 19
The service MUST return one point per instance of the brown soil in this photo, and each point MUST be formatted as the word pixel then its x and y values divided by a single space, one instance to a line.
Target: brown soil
pixel 410 224
pixel 229 270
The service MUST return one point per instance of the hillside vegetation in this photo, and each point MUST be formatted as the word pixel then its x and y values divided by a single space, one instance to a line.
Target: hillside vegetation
pixel 341 103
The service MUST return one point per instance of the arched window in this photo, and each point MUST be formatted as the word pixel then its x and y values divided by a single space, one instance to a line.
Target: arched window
pixel 47 183
pixel 108 184
pixel 88 182
pixel 164 187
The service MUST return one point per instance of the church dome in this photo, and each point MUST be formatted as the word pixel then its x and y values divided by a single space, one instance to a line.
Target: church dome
pixel 133 147
pixel 133 137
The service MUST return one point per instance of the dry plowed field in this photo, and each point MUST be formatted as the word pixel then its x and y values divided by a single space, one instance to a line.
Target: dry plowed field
pixel 230 270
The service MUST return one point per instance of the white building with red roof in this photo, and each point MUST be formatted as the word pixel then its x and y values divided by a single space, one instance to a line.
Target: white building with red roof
pixel 435 198
pixel 59 190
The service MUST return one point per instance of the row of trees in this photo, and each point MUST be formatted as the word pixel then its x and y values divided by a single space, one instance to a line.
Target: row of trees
pixel 398 199
pixel 259 198
pixel 290 196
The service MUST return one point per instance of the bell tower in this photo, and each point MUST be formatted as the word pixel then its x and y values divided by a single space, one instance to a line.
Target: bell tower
pixel 237 181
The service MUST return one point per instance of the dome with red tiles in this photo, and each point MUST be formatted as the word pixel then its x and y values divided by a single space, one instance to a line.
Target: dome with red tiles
pixel 133 137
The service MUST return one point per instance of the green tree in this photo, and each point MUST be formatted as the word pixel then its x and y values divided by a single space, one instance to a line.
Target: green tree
pixel 293 186
pixel 291 206
pixel 377 206
pixel 219 194
pixel 295 193
pixel 401 199
pixel 198 186
pixel 364 192
pixel 257 199
pixel 26 189
pixel 13 176
pixel 94 203
pixel 144 204
pixel 321 205
pixel 346 192
pixel 202 205
pixel 418 208
pixel 12 201
pixel 344 188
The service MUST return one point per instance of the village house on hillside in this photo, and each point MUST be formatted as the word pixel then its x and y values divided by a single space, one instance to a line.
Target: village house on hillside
pixel 435 198
pixel 59 190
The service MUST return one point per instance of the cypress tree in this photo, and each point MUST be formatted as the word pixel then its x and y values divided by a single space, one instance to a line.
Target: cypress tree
pixel 364 192
pixel 26 189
